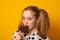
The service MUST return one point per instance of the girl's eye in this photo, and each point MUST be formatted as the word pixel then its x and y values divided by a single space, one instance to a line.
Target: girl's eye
pixel 30 18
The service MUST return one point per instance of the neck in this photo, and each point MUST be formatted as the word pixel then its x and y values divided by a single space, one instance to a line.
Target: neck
pixel 32 31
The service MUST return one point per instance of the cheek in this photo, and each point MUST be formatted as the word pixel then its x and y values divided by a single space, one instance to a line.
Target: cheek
pixel 23 22
pixel 32 24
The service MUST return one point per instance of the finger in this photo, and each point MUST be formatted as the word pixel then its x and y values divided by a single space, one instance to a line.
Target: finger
pixel 20 33
pixel 18 37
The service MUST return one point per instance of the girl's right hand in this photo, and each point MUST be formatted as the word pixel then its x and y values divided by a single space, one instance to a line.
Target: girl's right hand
pixel 19 36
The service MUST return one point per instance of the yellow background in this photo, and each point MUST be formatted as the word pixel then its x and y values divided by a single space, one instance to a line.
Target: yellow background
pixel 10 16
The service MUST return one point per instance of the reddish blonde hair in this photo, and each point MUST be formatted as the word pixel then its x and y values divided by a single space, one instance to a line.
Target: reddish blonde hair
pixel 43 23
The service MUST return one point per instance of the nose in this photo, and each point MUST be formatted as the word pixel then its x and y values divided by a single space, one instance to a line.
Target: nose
pixel 26 23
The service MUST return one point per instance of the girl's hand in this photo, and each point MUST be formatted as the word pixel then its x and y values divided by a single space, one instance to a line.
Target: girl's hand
pixel 19 36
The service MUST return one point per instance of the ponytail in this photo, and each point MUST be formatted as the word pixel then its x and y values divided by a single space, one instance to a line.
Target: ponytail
pixel 43 23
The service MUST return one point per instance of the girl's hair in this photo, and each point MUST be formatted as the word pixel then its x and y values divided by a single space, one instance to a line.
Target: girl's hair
pixel 34 9
pixel 43 23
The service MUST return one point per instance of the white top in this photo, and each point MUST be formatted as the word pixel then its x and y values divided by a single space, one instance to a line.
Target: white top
pixel 34 36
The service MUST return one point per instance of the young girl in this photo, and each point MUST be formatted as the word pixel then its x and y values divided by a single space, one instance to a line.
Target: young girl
pixel 36 23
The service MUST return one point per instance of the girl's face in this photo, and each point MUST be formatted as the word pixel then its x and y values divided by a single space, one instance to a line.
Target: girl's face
pixel 29 19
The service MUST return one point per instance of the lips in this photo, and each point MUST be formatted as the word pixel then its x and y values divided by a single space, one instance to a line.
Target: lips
pixel 26 26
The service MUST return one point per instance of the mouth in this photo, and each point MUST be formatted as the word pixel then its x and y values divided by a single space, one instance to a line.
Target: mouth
pixel 26 26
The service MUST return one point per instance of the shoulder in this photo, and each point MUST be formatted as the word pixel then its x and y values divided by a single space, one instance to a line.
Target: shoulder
pixel 39 37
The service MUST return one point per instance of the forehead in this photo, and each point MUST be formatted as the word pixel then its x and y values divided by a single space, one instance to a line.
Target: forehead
pixel 28 13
